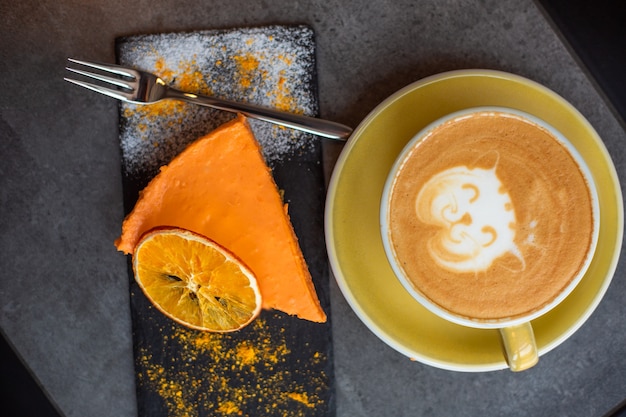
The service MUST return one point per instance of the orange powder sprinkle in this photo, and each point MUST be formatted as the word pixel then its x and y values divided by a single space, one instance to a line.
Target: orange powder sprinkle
pixel 301 397
pixel 162 70
pixel 256 67
pixel 229 408
pixel 282 97
pixel 228 376
pixel 286 59
pixel 186 77
pixel 246 355
pixel 247 65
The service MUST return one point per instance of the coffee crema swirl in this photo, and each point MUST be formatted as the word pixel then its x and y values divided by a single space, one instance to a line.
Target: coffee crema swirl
pixel 490 216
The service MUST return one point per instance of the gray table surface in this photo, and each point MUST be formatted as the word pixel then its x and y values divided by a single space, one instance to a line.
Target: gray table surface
pixel 64 301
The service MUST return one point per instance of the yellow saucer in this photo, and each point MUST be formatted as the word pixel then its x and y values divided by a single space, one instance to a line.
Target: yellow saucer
pixel 352 229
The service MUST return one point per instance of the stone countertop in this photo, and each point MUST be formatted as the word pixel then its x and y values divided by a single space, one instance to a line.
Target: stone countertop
pixel 64 302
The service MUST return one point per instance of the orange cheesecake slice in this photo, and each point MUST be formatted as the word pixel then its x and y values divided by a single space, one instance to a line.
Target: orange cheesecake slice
pixel 221 188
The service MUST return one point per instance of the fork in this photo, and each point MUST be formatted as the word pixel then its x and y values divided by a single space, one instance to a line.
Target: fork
pixel 140 87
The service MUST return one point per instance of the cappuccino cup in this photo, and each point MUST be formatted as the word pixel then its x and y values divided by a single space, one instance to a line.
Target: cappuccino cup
pixel 489 219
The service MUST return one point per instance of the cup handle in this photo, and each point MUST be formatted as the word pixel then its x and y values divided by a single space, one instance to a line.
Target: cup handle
pixel 519 346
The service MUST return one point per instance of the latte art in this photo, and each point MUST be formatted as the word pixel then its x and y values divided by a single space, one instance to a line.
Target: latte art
pixel 475 217
pixel 489 216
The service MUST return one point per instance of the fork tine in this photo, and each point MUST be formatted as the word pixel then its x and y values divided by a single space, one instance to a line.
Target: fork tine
pixel 115 69
pixel 99 77
pixel 120 95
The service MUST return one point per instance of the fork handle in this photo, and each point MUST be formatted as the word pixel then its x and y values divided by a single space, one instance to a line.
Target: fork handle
pixel 307 124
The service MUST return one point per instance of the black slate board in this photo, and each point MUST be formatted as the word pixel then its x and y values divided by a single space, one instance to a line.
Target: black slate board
pixel 279 365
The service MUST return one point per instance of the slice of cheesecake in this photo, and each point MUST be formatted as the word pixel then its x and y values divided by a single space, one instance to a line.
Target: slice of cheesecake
pixel 221 187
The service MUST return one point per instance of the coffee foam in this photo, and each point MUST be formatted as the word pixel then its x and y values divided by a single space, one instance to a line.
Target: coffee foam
pixel 490 217
pixel 474 216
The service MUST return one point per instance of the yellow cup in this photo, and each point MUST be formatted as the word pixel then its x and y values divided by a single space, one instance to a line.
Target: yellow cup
pixel 516 332
pixel 354 242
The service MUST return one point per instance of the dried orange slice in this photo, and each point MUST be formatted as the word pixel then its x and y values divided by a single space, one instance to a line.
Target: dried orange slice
pixel 195 281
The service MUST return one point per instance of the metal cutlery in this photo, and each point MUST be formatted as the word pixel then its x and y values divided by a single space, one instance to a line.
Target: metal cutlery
pixel 140 87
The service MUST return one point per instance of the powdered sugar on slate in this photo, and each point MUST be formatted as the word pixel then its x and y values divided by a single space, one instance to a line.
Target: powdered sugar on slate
pixel 271 66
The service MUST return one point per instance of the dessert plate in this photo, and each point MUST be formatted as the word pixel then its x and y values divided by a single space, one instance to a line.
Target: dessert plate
pixel 278 365
pixel 352 228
